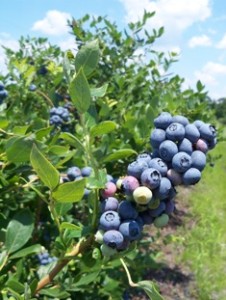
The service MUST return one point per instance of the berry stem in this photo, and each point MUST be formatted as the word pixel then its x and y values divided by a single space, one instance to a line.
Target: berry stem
pixel 131 283
pixel 77 249
pixel 49 101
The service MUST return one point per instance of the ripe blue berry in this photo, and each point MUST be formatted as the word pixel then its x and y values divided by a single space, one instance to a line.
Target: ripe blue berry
pixel 144 156
pixel 86 171
pixel 136 168
pixel 158 164
pixel 146 217
pixel 180 119
pixel 73 173
pixel 157 137
pixel 157 211
pixel 110 220
pixel 174 177
pixel 175 132
pixel 198 123
pixel 113 238
pixel 167 150
pixel 32 87
pixel 130 230
pixel 186 146
pixel 3 94
pixel 126 210
pixel 151 178
pixel 162 191
pixel 110 203
pixel 192 133
pixel 55 120
pixel 181 162
pixel 191 176
pixel 163 120
pixel 198 160
pixel 170 206
pixel 207 132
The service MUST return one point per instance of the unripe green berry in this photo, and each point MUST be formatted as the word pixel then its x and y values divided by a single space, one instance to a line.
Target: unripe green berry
pixel 142 195
pixel 99 236
pixel 107 251
pixel 161 221
pixel 154 203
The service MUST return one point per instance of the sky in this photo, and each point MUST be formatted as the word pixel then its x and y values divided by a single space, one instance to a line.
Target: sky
pixel 195 29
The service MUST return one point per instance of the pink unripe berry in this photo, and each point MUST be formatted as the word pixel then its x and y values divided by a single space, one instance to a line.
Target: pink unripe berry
pixel 109 191
pixel 174 177
pixel 202 145
pixel 129 184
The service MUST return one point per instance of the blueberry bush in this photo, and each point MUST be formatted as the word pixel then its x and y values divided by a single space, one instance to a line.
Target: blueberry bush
pixel 92 146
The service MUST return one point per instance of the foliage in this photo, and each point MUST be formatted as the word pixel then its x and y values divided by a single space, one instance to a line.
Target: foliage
pixel 113 94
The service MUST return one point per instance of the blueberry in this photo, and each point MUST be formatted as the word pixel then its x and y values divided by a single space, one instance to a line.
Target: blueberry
pixel 53 111
pixel 157 211
pixel 55 120
pixel 86 171
pixel 142 195
pixel 110 190
pixel 44 261
pixel 212 143
pixel 3 94
pixel 136 168
pixel 170 206
pixel 202 145
pixel 191 176
pixel 157 137
pixel 162 192
pixel 158 164
pixel 113 238
pixel 181 162
pixel 167 150
pixel 144 156
pixel 192 133
pixel 127 211
pixel 163 120
pixel 109 220
pixel 186 146
pixel 129 184
pixel 146 217
pixel 155 153
pixel 110 203
pixel 198 160
pixel 174 177
pixel 130 230
pixel 175 132
pixel 2 86
pixel 207 132
pixel 198 123
pixel 161 221
pixel 180 119
pixel 151 178
pixel 73 173
pixel 124 245
pixel 110 178
pixel 32 87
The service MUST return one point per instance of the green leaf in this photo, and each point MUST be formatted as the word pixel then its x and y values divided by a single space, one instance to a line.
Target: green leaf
pixel 120 154
pixel 103 128
pixel 100 91
pixel 55 293
pixel 62 208
pixel 85 280
pixel 150 289
pixel 97 182
pixel 27 251
pixel 80 92
pixel 67 225
pixel 15 285
pixel 45 170
pixel 70 191
pixel 19 230
pixel 18 149
pixel 72 140
pixel 87 57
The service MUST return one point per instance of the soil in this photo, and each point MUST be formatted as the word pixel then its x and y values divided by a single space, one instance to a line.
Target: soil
pixel 173 277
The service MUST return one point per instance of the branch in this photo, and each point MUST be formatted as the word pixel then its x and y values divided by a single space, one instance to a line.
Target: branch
pixel 78 248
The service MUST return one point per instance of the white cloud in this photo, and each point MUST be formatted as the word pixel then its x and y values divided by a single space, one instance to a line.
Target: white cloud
pixel 6 41
pixel 175 15
pixel 222 43
pixel 54 23
pixel 201 40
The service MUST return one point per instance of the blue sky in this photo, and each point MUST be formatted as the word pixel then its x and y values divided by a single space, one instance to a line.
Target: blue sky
pixel 196 29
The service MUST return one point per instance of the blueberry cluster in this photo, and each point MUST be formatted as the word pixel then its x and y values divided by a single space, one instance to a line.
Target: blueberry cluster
pixel 44 258
pixel 59 116
pixel 75 173
pixel 3 92
pixel 148 191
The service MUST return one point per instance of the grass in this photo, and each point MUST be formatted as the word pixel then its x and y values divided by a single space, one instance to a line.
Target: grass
pixel 205 242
